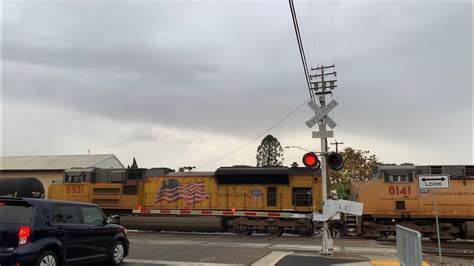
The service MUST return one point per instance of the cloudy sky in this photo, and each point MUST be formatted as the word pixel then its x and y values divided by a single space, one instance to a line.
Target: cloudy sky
pixel 178 83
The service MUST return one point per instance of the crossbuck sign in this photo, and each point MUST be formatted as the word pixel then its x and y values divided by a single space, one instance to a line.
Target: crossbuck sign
pixel 321 114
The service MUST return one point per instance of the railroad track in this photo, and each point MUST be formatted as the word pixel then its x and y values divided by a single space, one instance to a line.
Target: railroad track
pixel 457 249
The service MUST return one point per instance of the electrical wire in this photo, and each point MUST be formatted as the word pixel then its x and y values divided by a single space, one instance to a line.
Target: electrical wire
pixel 300 46
pixel 314 33
pixel 332 34
pixel 256 138
pixel 303 35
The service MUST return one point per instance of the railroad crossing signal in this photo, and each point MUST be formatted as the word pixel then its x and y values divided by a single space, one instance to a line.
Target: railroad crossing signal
pixel 311 160
pixel 433 181
pixel 321 114
pixel 335 161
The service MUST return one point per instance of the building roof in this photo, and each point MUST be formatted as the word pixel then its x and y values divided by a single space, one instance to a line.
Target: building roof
pixel 55 162
pixel 397 167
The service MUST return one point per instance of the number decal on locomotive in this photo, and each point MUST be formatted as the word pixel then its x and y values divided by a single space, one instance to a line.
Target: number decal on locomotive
pixel 74 189
pixel 399 190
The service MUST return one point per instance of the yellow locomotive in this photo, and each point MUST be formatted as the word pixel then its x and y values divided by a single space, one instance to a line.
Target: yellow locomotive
pixel 272 200
pixel 239 199
pixel 394 197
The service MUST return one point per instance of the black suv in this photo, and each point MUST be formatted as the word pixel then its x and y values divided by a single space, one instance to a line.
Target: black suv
pixel 49 233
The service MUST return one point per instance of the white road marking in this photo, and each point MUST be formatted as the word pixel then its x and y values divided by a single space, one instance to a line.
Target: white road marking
pixel 271 259
pixel 290 247
pixel 362 263
pixel 167 242
pixel 297 247
pixel 169 262
pixel 236 244
pixel 376 250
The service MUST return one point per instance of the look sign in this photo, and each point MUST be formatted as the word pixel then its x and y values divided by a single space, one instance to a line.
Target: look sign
pixel 433 181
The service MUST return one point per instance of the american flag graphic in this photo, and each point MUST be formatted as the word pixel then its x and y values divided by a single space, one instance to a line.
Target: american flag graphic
pixel 172 190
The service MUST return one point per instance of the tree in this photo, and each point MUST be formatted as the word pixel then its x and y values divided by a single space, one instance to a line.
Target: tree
pixel 186 168
pixel 134 164
pixel 270 152
pixel 358 166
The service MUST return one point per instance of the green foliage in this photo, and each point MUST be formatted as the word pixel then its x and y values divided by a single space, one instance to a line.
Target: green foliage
pixel 343 190
pixel 186 168
pixel 270 152
pixel 358 166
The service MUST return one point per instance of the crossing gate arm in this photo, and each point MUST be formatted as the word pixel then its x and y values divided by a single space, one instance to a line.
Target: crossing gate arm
pixel 287 215
pixel 333 208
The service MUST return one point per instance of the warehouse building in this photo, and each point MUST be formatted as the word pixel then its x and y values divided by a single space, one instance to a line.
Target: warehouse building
pixel 50 168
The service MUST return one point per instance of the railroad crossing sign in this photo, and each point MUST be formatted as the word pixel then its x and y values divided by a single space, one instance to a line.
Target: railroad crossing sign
pixel 321 114
pixel 433 181
pixel 429 182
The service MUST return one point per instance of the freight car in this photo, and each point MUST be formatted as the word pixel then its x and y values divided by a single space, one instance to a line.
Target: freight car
pixel 393 197
pixel 238 199
pixel 25 187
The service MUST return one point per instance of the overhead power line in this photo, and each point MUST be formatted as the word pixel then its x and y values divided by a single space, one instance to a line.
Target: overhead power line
pixel 313 26
pixel 256 138
pixel 332 32
pixel 301 48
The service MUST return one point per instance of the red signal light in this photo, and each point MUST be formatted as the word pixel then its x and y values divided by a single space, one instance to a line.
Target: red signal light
pixel 311 160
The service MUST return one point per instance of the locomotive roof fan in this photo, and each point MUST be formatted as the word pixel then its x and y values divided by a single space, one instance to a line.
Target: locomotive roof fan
pixel 335 161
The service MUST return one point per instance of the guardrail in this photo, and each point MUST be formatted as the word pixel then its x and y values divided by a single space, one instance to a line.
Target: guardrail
pixel 409 246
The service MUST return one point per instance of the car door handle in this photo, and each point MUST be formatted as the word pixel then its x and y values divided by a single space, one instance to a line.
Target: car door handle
pixel 88 231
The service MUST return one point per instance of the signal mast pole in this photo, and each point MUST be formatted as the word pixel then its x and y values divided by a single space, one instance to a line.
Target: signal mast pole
pixel 321 87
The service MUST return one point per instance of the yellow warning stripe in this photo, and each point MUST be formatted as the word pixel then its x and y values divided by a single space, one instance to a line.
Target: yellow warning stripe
pixel 393 262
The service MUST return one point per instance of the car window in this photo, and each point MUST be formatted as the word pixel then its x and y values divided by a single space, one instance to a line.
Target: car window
pixel 15 213
pixel 66 214
pixel 92 215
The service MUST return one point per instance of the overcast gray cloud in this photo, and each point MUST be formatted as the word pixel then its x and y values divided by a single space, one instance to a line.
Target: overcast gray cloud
pixel 226 71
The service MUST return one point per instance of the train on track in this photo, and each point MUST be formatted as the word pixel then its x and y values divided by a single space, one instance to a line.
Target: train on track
pixel 393 197
pixel 239 199
pixel 27 187
pixel 273 200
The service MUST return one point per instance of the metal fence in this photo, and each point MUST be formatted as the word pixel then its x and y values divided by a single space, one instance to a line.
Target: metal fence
pixel 408 246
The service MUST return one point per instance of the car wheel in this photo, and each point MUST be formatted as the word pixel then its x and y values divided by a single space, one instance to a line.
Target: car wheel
pixel 118 253
pixel 47 258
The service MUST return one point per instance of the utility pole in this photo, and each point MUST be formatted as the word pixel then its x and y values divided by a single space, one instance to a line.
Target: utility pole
pixel 337 144
pixel 322 87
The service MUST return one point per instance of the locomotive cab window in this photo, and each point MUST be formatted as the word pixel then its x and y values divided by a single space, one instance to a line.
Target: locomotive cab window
pixel 399 178
pixel 271 196
pixel 302 196
pixel 395 178
pixel 135 175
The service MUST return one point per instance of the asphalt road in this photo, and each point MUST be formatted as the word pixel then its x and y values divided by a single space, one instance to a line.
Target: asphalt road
pixel 151 248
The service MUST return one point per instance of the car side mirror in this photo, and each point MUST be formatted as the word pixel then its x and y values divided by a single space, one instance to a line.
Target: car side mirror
pixel 108 220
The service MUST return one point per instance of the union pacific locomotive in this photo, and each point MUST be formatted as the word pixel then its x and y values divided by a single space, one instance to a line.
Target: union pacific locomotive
pixel 272 200
pixel 394 197
pixel 239 199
